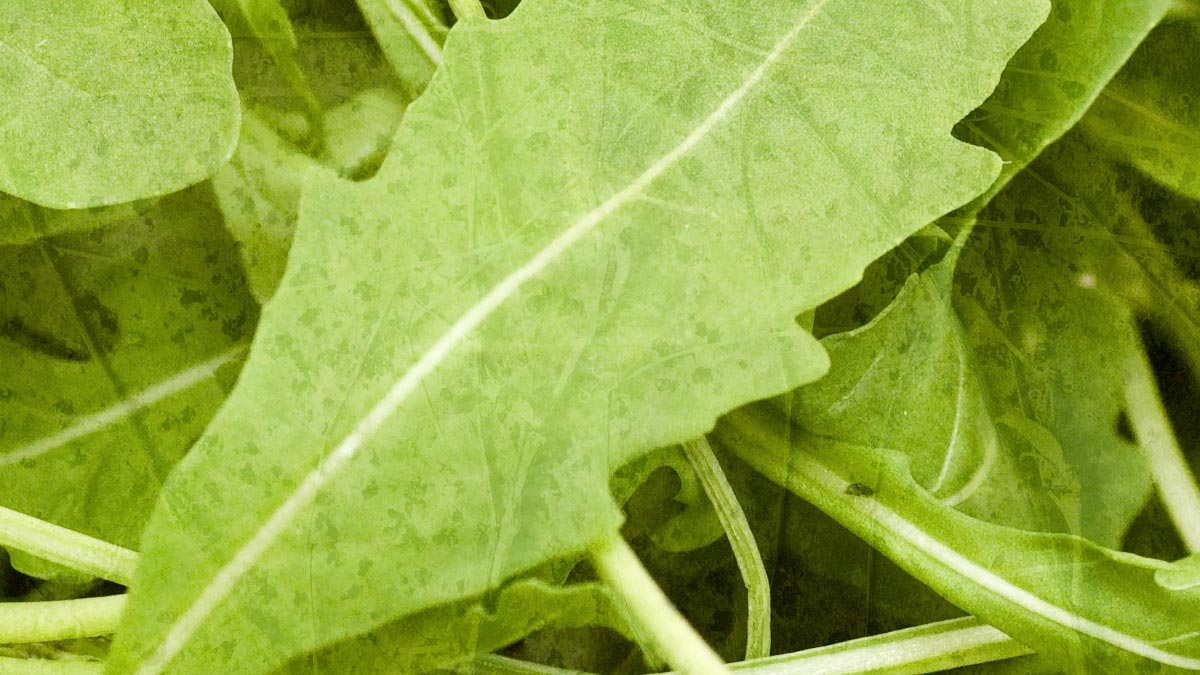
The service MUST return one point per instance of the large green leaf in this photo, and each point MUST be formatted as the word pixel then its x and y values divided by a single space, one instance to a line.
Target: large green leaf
pixel 591 236
pixel 1045 89
pixel 1055 76
pixel 104 102
pixel 1149 113
pixel 1010 418
pixel 116 350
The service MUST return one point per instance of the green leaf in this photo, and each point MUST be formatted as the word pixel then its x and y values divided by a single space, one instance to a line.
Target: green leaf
pixel 410 33
pixel 115 351
pixel 1149 114
pixel 1093 610
pixel 591 236
pixel 259 189
pixel 259 194
pixel 1035 347
pixel 1055 77
pixel 1013 373
pixel 450 633
pixel 359 132
pixel 335 54
pixel 268 22
pixel 139 104
pixel 22 222
pixel 677 513
pixel 1052 342
pixel 1181 576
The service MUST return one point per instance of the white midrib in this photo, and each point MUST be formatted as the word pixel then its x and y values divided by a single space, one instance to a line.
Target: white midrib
pixel 90 424
pixel 930 546
pixel 223 582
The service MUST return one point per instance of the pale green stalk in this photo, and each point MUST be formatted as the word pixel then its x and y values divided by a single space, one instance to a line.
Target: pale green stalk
pixel 1152 429
pixel 741 539
pixel 913 651
pixel 467 9
pixel 66 547
pixel 671 635
pixel 23 622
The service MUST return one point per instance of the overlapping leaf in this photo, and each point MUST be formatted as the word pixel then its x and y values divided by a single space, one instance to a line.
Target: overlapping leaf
pixel 116 346
pixel 410 33
pixel 103 102
pixel 1010 417
pixel 259 189
pixel 1045 90
pixel 1090 609
pixel 670 184
pixel 1056 76
pixel 269 23
pixel 1149 114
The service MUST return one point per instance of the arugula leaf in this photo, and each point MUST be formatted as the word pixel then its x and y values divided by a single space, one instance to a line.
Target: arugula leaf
pixel 1149 116
pixel 335 55
pixel 1012 406
pixel 1090 609
pixel 448 633
pixel 139 104
pixel 22 222
pixel 259 194
pixel 616 217
pixel 410 33
pixel 1044 91
pixel 1045 339
pixel 1052 344
pixel 677 513
pixel 116 350
pixel 1056 76
pixel 259 189
pixel 268 21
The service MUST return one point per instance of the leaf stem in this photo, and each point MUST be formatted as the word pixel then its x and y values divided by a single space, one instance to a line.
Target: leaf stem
pixel 467 9
pixel 66 547
pixel 17 666
pixel 913 651
pixel 671 634
pixel 741 539
pixel 22 622
pixel 1152 429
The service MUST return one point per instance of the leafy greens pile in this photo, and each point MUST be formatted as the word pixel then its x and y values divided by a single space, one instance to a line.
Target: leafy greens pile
pixel 397 336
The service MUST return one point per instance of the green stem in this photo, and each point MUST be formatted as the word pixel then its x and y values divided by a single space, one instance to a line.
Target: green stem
pixel 1152 428
pixel 913 651
pixel 741 540
pixel 15 666
pixel 66 547
pixel 467 9
pixel 22 622
pixel 1157 286
pixel 672 636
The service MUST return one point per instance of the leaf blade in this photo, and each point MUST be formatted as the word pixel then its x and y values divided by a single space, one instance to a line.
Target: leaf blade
pixel 560 354
pixel 84 108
